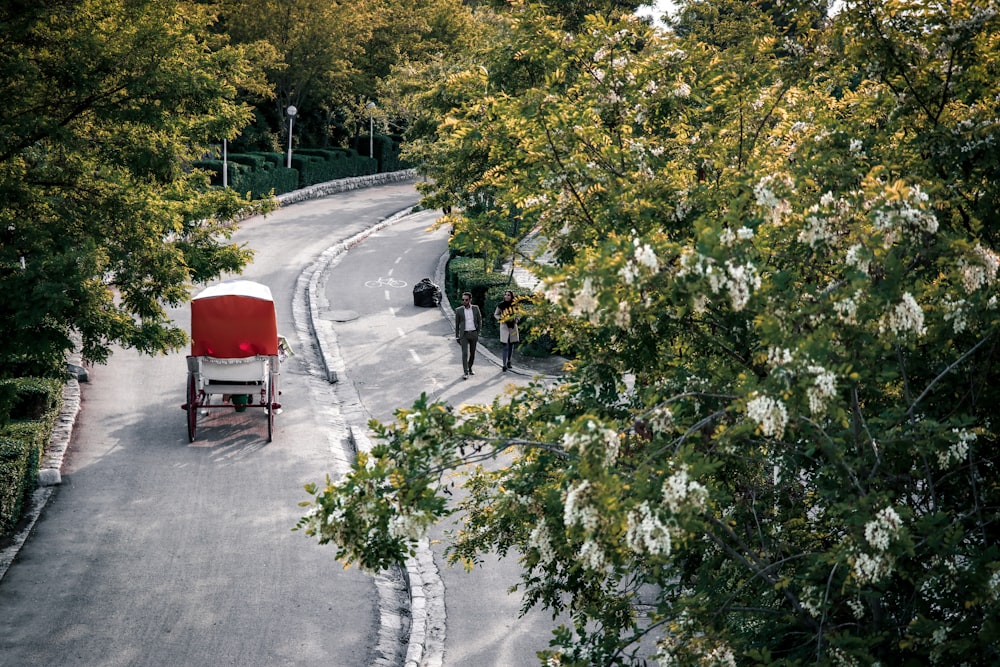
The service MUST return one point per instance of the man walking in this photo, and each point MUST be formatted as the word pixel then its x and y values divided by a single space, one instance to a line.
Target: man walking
pixel 468 322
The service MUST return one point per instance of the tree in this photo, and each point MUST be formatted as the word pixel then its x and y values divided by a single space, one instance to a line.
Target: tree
pixel 316 44
pixel 331 56
pixel 103 222
pixel 777 268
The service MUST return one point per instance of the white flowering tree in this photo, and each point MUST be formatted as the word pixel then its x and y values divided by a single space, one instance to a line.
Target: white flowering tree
pixel 778 274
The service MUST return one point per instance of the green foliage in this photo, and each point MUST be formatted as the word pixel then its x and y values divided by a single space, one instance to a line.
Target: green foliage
pixel 18 470
pixel 775 253
pixel 327 60
pixel 469 274
pixel 29 408
pixel 102 223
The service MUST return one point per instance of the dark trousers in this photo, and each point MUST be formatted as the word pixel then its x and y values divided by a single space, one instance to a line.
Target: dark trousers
pixel 469 340
pixel 507 353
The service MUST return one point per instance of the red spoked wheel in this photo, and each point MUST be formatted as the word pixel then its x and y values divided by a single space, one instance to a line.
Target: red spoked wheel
pixel 192 407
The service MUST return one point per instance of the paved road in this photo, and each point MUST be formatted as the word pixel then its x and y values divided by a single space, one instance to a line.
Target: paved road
pixel 389 352
pixel 154 551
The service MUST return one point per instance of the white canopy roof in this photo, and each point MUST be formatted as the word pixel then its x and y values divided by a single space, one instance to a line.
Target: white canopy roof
pixel 237 288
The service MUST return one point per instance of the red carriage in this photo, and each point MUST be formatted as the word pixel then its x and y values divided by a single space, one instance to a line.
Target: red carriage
pixel 235 352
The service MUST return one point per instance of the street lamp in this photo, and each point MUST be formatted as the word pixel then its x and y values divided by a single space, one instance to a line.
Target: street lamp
pixel 371 129
pixel 225 164
pixel 291 111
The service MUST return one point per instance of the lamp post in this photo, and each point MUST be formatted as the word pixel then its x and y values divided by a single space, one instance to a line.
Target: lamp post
pixel 371 129
pixel 291 111
pixel 225 165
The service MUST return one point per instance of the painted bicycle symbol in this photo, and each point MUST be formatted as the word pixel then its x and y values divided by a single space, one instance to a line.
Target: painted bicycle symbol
pixel 385 282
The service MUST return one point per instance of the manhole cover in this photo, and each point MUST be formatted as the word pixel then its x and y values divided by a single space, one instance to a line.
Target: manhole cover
pixel 341 315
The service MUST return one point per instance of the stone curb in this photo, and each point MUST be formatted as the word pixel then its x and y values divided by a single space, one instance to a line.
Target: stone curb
pixel 396 631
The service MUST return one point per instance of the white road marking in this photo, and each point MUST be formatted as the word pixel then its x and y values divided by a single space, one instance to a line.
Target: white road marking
pixel 416 358
pixel 402 334
pixel 387 295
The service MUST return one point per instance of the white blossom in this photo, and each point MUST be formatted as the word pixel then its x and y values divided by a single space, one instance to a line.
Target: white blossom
pixel 856 257
pixel 905 317
pixel 815 232
pixel 870 569
pixel 742 280
pixel 823 389
pixel 646 533
pixel 811 600
pixel 880 531
pixel 645 256
pixel 981 273
pixel 847 308
pixel 779 356
pixel 541 541
pixel 905 214
pixel 994 585
pixel 406 526
pixel 720 656
pixel 591 556
pixel 681 90
pixel 769 413
pixel 958 450
pixel 680 491
pixel 956 312
pixel 622 317
pixel 607 442
pixel 767 199
pixel 729 237
pixel 585 301
pixel 629 273
pixel 577 511
pixel 661 419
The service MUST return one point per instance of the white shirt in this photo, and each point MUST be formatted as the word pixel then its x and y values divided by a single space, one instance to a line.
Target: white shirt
pixel 470 319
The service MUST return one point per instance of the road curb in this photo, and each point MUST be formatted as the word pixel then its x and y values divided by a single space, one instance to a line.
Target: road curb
pixel 420 629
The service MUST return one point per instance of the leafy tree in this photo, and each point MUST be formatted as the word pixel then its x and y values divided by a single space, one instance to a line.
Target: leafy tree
pixel 777 268
pixel 316 44
pixel 102 221
pixel 332 55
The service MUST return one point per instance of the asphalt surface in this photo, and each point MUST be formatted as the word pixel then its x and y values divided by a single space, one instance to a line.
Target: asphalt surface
pixel 433 615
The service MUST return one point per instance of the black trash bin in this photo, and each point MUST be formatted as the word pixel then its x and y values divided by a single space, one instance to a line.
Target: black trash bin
pixel 426 294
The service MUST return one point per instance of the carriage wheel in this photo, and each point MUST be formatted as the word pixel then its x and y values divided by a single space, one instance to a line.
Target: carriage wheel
pixel 192 407
pixel 269 408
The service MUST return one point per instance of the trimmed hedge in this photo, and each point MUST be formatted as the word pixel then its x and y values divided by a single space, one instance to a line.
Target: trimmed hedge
pixel 30 418
pixel 252 173
pixel 471 274
pixel 467 274
pixel 531 345
pixel 264 173
pixel 386 151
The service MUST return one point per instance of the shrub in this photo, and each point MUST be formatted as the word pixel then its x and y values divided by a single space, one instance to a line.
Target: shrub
pixel 30 407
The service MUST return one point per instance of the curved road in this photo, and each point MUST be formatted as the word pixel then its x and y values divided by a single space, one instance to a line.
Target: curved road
pixel 154 551
pixel 389 351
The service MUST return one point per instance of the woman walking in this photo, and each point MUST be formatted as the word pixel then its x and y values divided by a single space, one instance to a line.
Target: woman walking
pixel 508 328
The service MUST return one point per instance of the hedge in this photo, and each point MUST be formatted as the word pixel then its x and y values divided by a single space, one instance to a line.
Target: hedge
pixel 32 408
pixel 531 345
pixel 386 151
pixel 264 173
